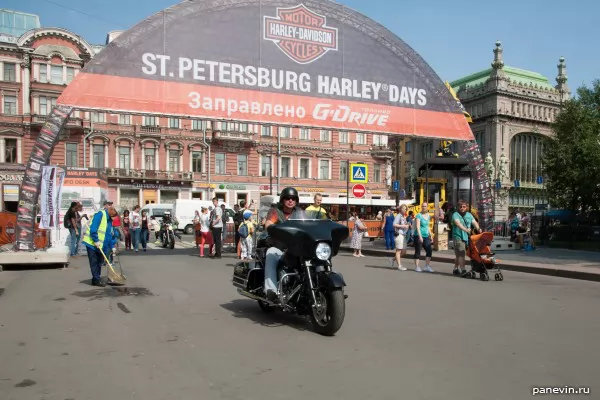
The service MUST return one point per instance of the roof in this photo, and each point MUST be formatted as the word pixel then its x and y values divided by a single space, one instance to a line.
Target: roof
pixel 516 75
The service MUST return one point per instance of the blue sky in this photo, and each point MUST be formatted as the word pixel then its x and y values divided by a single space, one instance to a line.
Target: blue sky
pixel 455 37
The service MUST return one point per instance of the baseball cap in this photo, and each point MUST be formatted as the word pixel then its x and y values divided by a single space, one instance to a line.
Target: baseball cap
pixel 108 203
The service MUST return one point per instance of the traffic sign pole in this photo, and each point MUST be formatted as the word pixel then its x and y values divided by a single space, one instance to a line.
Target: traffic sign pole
pixel 348 172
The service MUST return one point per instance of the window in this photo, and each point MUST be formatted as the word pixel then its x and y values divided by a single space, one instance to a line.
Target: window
pixel 46 104
pixel 427 150
pixel 304 134
pixel 174 160
pixel 98 156
pixel 325 136
pixel 285 167
pixel 220 163
pixel 10 105
pixel 243 127
pixel 265 131
pixel 98 117
pixel 407 147
pixel 343 137
pixel 198 125
pixel 43 73
pixel 10 74
pixel 242 164
pixel 71 156
pixel 343 170
pixel 323 169
pixel 377 173
pixel 380 140
pixel 70 74
pixel 284 132
pixel 304 168
pixel 265 166
pixel 124 119
pixel 150 121
pixel 124 157
pixel 10 151
pixel 174 123
pixel 360 138
pixel 480 139
pixel 56 74
pixel 197 161
pixel 150 159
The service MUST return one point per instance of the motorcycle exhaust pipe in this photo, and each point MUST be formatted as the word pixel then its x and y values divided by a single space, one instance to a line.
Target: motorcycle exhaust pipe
pixel 255 297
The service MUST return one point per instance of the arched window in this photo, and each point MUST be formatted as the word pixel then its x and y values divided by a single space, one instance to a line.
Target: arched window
pixel 526 151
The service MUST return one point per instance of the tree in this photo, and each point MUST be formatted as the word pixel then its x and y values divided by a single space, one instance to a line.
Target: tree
pixel 572 154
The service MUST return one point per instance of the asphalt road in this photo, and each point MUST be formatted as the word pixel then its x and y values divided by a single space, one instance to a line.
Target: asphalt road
pixel 182 332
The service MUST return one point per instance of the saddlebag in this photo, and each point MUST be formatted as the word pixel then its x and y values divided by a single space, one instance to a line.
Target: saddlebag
pixel 241 273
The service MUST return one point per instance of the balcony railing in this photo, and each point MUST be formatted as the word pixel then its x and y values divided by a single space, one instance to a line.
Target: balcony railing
pixel 234 135
pixel 382 151
pixel 149 174
pixel 149 129
pixel 71 122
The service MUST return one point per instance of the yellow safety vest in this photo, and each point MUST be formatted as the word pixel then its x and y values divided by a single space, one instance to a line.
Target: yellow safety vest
pixel 101 231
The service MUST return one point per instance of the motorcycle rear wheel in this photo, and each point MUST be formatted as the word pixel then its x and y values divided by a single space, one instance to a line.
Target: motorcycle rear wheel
pixel 328 319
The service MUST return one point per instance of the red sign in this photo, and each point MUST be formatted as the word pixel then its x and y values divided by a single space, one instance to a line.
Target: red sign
pixel 359 190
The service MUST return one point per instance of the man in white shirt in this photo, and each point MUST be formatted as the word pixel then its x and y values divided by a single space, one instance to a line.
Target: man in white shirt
pixel 216 226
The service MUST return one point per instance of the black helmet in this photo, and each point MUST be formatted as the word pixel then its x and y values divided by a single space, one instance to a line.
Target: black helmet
pixel 289 192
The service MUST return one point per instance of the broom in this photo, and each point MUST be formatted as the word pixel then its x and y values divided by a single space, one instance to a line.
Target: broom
pixel 114 277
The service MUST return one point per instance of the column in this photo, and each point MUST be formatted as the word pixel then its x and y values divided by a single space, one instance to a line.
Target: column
pixel 131 155
pixel 2 150
pixel 26 79
pixel 91 158
pixel 106 145
pixel 19 150
pixel 157 159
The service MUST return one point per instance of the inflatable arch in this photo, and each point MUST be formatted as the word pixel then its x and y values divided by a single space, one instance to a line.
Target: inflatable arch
pixel 314 63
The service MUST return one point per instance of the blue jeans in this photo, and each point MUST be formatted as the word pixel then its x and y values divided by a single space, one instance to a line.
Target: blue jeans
pixel 144 234
pixel 135 237
pixel 389 240
pixel 271 261
pixel 96 260
pixel 74 241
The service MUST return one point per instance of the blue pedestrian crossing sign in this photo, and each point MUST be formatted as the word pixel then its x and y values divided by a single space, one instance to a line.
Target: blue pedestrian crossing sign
pixel 396 186
pixel 359 173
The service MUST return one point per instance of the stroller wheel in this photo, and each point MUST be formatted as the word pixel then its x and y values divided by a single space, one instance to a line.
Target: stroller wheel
pixel 484 276
pixel 473 275
pixel 497 277
pixel 501 276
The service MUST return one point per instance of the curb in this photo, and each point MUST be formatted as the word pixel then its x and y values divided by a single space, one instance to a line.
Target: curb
pixel 524 267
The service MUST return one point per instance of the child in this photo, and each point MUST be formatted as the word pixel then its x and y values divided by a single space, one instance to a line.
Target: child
pixel 246 242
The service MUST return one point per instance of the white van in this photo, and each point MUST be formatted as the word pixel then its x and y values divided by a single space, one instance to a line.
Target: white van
pixel 184 211
pixel 157 210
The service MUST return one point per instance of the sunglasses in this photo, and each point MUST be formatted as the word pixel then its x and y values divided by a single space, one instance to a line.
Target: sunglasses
pixel 289 198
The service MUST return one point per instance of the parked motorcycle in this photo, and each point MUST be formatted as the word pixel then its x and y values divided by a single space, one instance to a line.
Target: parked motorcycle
pixel 307 285
pixel 168 236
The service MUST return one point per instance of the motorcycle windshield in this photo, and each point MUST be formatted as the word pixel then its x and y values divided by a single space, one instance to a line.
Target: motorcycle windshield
pixel 301 234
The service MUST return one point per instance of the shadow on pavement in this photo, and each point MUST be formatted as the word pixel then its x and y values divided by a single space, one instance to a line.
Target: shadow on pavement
pixel 249 309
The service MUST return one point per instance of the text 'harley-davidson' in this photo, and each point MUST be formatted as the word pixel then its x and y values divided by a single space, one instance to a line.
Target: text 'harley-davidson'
pixel 307 283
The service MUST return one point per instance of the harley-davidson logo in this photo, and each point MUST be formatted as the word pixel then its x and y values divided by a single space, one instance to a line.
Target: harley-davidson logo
pixel 300 33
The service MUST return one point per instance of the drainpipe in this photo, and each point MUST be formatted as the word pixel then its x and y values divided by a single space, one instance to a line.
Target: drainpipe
pixel 208 162
pixel 278 158
pixel 84 140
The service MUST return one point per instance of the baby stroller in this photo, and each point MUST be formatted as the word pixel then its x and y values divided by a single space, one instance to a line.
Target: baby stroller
pixel 482 258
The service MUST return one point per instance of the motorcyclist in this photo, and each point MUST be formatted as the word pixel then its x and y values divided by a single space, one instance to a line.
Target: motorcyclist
pixel 168 220
pixel 287 206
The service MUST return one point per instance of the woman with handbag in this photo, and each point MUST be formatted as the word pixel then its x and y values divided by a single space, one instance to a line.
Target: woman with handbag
pixel 357 235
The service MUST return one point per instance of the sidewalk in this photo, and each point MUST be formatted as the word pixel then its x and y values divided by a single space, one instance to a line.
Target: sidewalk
pixel 574 264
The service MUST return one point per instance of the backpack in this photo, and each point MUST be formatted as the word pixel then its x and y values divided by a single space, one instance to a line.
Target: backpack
pixel 243 231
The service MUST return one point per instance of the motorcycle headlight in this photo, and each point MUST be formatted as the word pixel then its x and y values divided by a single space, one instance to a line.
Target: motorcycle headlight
pixel 323 251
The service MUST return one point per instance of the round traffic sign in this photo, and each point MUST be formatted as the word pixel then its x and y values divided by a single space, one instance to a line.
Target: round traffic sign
pixel 359 190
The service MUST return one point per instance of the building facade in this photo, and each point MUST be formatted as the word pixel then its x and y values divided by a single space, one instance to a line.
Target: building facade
pixel 512 110
pixel 154 159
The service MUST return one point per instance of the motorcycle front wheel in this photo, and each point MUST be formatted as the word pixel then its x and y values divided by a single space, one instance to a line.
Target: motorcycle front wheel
pixel 171 241
pixel 328 317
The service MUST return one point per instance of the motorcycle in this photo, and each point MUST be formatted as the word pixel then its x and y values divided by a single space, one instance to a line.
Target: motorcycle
pixel 307 284
pixel 168 236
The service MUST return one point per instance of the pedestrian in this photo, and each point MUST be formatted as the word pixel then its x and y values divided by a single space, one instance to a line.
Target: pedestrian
pixel 126 223
pixel 410 219
pixel 197 232
pixel 246 242
pixel 144 231
pixel 136 225
pixel 100 239
pixel 118 229
pixel 422 238
pixel 402 227
pixel 357 235
pixel 238 219
pixel 206 236
pixel 216 226
pixel 463 222
pixel 155 227
pixel 388 229
pixel 70 222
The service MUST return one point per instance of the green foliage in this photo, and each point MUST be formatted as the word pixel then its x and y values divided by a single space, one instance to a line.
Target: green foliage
pixel 572 154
